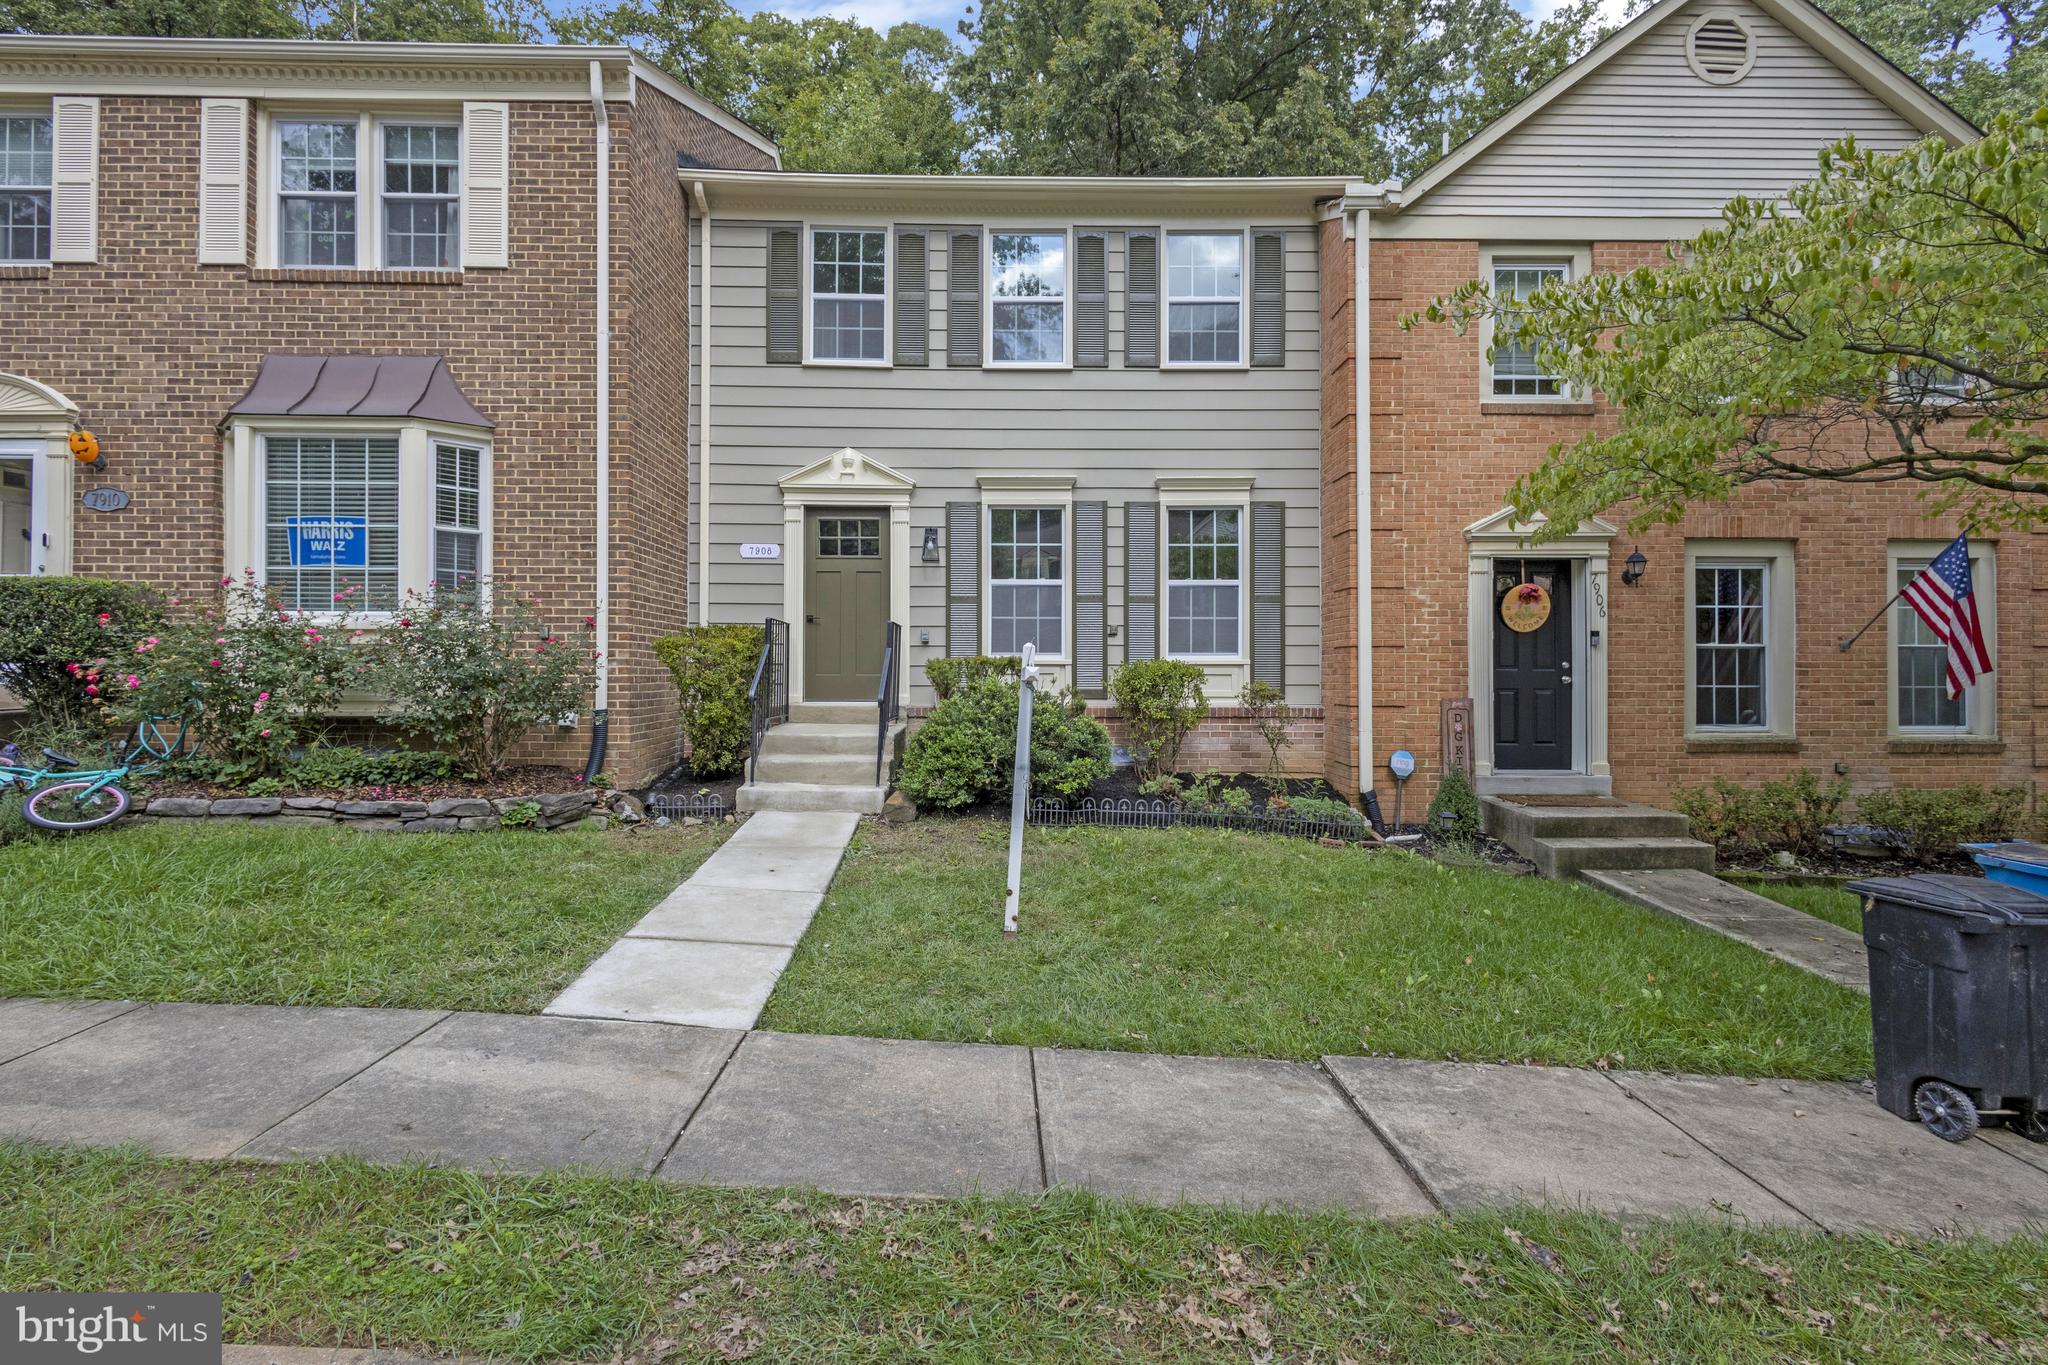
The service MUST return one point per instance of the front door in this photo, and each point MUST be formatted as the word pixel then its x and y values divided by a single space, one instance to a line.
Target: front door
pixel 1532 665
pixel 846 604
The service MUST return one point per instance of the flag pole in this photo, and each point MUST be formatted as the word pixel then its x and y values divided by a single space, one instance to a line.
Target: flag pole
pixel 1844 646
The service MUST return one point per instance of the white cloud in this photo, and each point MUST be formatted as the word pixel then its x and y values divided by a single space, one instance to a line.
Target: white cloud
pixel 1612 12
pixel 880 15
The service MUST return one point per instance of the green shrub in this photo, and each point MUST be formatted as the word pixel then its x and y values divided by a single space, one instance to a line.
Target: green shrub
pixel 1787 814
pixel 1268 707
pixel 51 627
pixel 948 676
pixel 1160 701
pixel 339 766
pixel 1327 808
pixel 713 666
pixel 1454 794
pixel 1935 820
pixel 966 752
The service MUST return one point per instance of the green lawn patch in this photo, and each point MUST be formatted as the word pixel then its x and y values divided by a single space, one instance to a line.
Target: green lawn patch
pixel 222 912
pixel 1194 941
pixel 567 1267
pixel 1830 903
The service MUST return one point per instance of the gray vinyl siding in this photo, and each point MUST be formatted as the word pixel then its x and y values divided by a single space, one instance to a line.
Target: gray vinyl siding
pixel 1643 135
pixel 1113 430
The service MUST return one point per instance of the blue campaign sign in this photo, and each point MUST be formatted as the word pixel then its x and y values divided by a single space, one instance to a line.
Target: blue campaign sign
pixel 329 542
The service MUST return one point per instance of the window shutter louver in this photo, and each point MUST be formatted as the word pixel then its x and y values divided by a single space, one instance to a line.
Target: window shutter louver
pixel 1091 593
pixel 785 296
pixel 963 297
pixel 1141 580
pixel 74 178
pixel 1269 593
pixel 1141 298
pixel 913 322
pixel 963 579
pixel 1269 298
pixel 486 182
pixel 1091 299
pixel 223 182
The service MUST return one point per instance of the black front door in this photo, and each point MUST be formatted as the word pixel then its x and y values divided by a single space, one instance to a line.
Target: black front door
pixel 1532 669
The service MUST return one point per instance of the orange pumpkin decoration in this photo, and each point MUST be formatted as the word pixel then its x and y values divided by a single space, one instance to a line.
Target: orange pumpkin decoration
pixel 85 446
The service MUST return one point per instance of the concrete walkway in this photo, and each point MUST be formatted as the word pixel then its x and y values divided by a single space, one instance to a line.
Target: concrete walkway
pixel 711 952
pixel 883 1117
pixel 1820 946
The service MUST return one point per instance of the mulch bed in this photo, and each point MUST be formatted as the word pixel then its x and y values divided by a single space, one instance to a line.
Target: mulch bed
pixel 679 781
pixel 534 780
pixel 1832 865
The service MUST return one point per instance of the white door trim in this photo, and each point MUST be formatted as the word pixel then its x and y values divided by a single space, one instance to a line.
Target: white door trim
pixel 847 479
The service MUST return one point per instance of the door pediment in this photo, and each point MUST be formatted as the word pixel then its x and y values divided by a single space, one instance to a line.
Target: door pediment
pixel 1504 530
pixel 847 471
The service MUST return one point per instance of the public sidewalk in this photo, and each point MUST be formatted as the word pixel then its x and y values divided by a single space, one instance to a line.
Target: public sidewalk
pixel 886 1117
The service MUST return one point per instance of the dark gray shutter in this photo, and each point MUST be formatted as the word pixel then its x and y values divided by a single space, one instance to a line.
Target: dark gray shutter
pixel 913 321
pixel 1091 592
pixel 1269 593
pixel 1269 298
pixel 1091 299
pixel 963 578
pixel 963 297
pixel 1141 298
pixel 785 296
pixel 1141 580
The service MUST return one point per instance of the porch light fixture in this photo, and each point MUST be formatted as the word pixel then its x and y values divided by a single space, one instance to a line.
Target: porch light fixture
pixel 1632 568
pixel 1447 820
pixel 931 545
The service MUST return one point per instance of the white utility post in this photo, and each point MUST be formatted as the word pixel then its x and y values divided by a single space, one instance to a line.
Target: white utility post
pixel 1020 786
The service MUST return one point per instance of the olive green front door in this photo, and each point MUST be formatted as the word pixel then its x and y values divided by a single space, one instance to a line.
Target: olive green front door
pixel 846 604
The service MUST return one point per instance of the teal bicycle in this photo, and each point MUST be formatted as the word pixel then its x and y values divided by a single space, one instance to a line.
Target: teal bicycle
pixel 86 798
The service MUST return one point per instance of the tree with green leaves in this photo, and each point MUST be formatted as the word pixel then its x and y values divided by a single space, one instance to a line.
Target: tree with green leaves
pixel 1886 323
pixel 1247 87
pixel 441 21
pixel 1985 57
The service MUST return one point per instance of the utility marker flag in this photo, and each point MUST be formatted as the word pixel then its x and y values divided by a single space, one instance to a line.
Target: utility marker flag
pixel 1943 596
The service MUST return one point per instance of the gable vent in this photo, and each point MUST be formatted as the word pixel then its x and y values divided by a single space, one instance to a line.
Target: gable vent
pixel 1720 48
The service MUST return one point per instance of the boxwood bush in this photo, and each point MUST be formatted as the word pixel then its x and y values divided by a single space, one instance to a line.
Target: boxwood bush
pixel 713 666
pixel 966 753
pixel 48 626
pixel 947 676
pixel 1934 820
pixel 1160 701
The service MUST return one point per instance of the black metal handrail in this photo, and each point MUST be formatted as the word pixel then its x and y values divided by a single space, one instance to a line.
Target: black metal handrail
pixel 768 695
pixel 885 695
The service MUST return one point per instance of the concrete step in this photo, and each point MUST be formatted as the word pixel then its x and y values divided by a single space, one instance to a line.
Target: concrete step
pixel 830 769
pixel 834 713
pixel 811 737
pixel 1518 825
pixel 1564 859
pixel 812 796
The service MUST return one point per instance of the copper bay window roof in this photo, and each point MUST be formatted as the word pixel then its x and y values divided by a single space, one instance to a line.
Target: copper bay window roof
pixel 416 388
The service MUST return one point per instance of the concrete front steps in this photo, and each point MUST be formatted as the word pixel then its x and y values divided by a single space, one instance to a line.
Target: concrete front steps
pixel 1566 841
pixel 823 760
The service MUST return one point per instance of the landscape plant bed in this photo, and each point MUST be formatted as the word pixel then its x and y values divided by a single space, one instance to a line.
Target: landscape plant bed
pixel 231 911
pixel 1224 944
pixel 588 1267
pixel 1836 865
pixel 531 780
pixel 680 781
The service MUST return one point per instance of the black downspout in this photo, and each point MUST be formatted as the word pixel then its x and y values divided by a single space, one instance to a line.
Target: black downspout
pixel 594 765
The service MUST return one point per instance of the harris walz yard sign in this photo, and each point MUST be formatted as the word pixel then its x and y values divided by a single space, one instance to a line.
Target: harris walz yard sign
pixel 329 542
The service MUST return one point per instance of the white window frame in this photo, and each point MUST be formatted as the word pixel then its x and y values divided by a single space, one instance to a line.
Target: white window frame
pixel 247 480
pixel 1199 502
pixel 1025 502
pixel 1980 702
pixel 988 298
pixel 274 196
pixel 48 113
pixel 383 197
pixel 1780 682
pixel 1577 263
pixel 1243 299
pixel 888 295
pixel 30 455
pixel 370 255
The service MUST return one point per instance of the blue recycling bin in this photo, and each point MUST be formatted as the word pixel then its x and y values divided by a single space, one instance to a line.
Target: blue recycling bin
pixel 2016 862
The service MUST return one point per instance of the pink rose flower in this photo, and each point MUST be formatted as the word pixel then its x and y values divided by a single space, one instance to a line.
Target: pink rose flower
pixel 91 691
pixel 266 734
pixel 133 682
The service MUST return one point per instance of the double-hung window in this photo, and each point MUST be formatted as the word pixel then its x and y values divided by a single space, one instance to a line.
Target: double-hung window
pixel 849 293
pixel 1027 587
pixel 1204 587
pixel 458 514
pixel 1204 298
pixel 353 194
pixel 1028 298
pixel 1920 704
pixel 1731 634
pixel 331 537
pixel 1515 371
pixel 25 181
pixel 316 183
pixel 421 188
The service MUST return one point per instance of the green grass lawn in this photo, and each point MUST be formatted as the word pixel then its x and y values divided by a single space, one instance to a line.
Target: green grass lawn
pixel 222 912
pixel 587 1267
pixel 1830 903
pixel 1209 942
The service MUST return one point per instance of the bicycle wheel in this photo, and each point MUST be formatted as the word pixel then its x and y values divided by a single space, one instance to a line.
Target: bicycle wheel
pixel 75 805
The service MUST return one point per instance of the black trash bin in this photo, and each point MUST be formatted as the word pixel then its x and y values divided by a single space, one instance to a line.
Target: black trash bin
pixel 1958 1001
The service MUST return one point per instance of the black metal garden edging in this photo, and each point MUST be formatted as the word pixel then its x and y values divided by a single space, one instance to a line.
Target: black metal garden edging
pixel 768 695
pixel 1126 813
pixel 706 806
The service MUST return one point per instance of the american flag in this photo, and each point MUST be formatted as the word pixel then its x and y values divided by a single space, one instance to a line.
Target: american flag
pixel 1943 596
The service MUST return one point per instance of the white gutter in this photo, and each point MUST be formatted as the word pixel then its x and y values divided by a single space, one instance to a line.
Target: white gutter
pixel 704 407
pixel 1361 368
pixel 604 388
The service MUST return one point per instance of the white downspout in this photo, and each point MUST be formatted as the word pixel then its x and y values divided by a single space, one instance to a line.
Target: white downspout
pixel 604 390
pixel 1361 309
pixel 704 406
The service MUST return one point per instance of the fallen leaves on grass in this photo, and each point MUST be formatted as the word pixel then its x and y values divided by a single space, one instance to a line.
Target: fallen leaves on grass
pixel 1537 1252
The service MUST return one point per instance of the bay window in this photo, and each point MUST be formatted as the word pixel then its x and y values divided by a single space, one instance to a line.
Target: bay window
pixel 1027 585
pixel 1204 586
pixel 1028 298
pixel 458 514
pixel 1204 298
